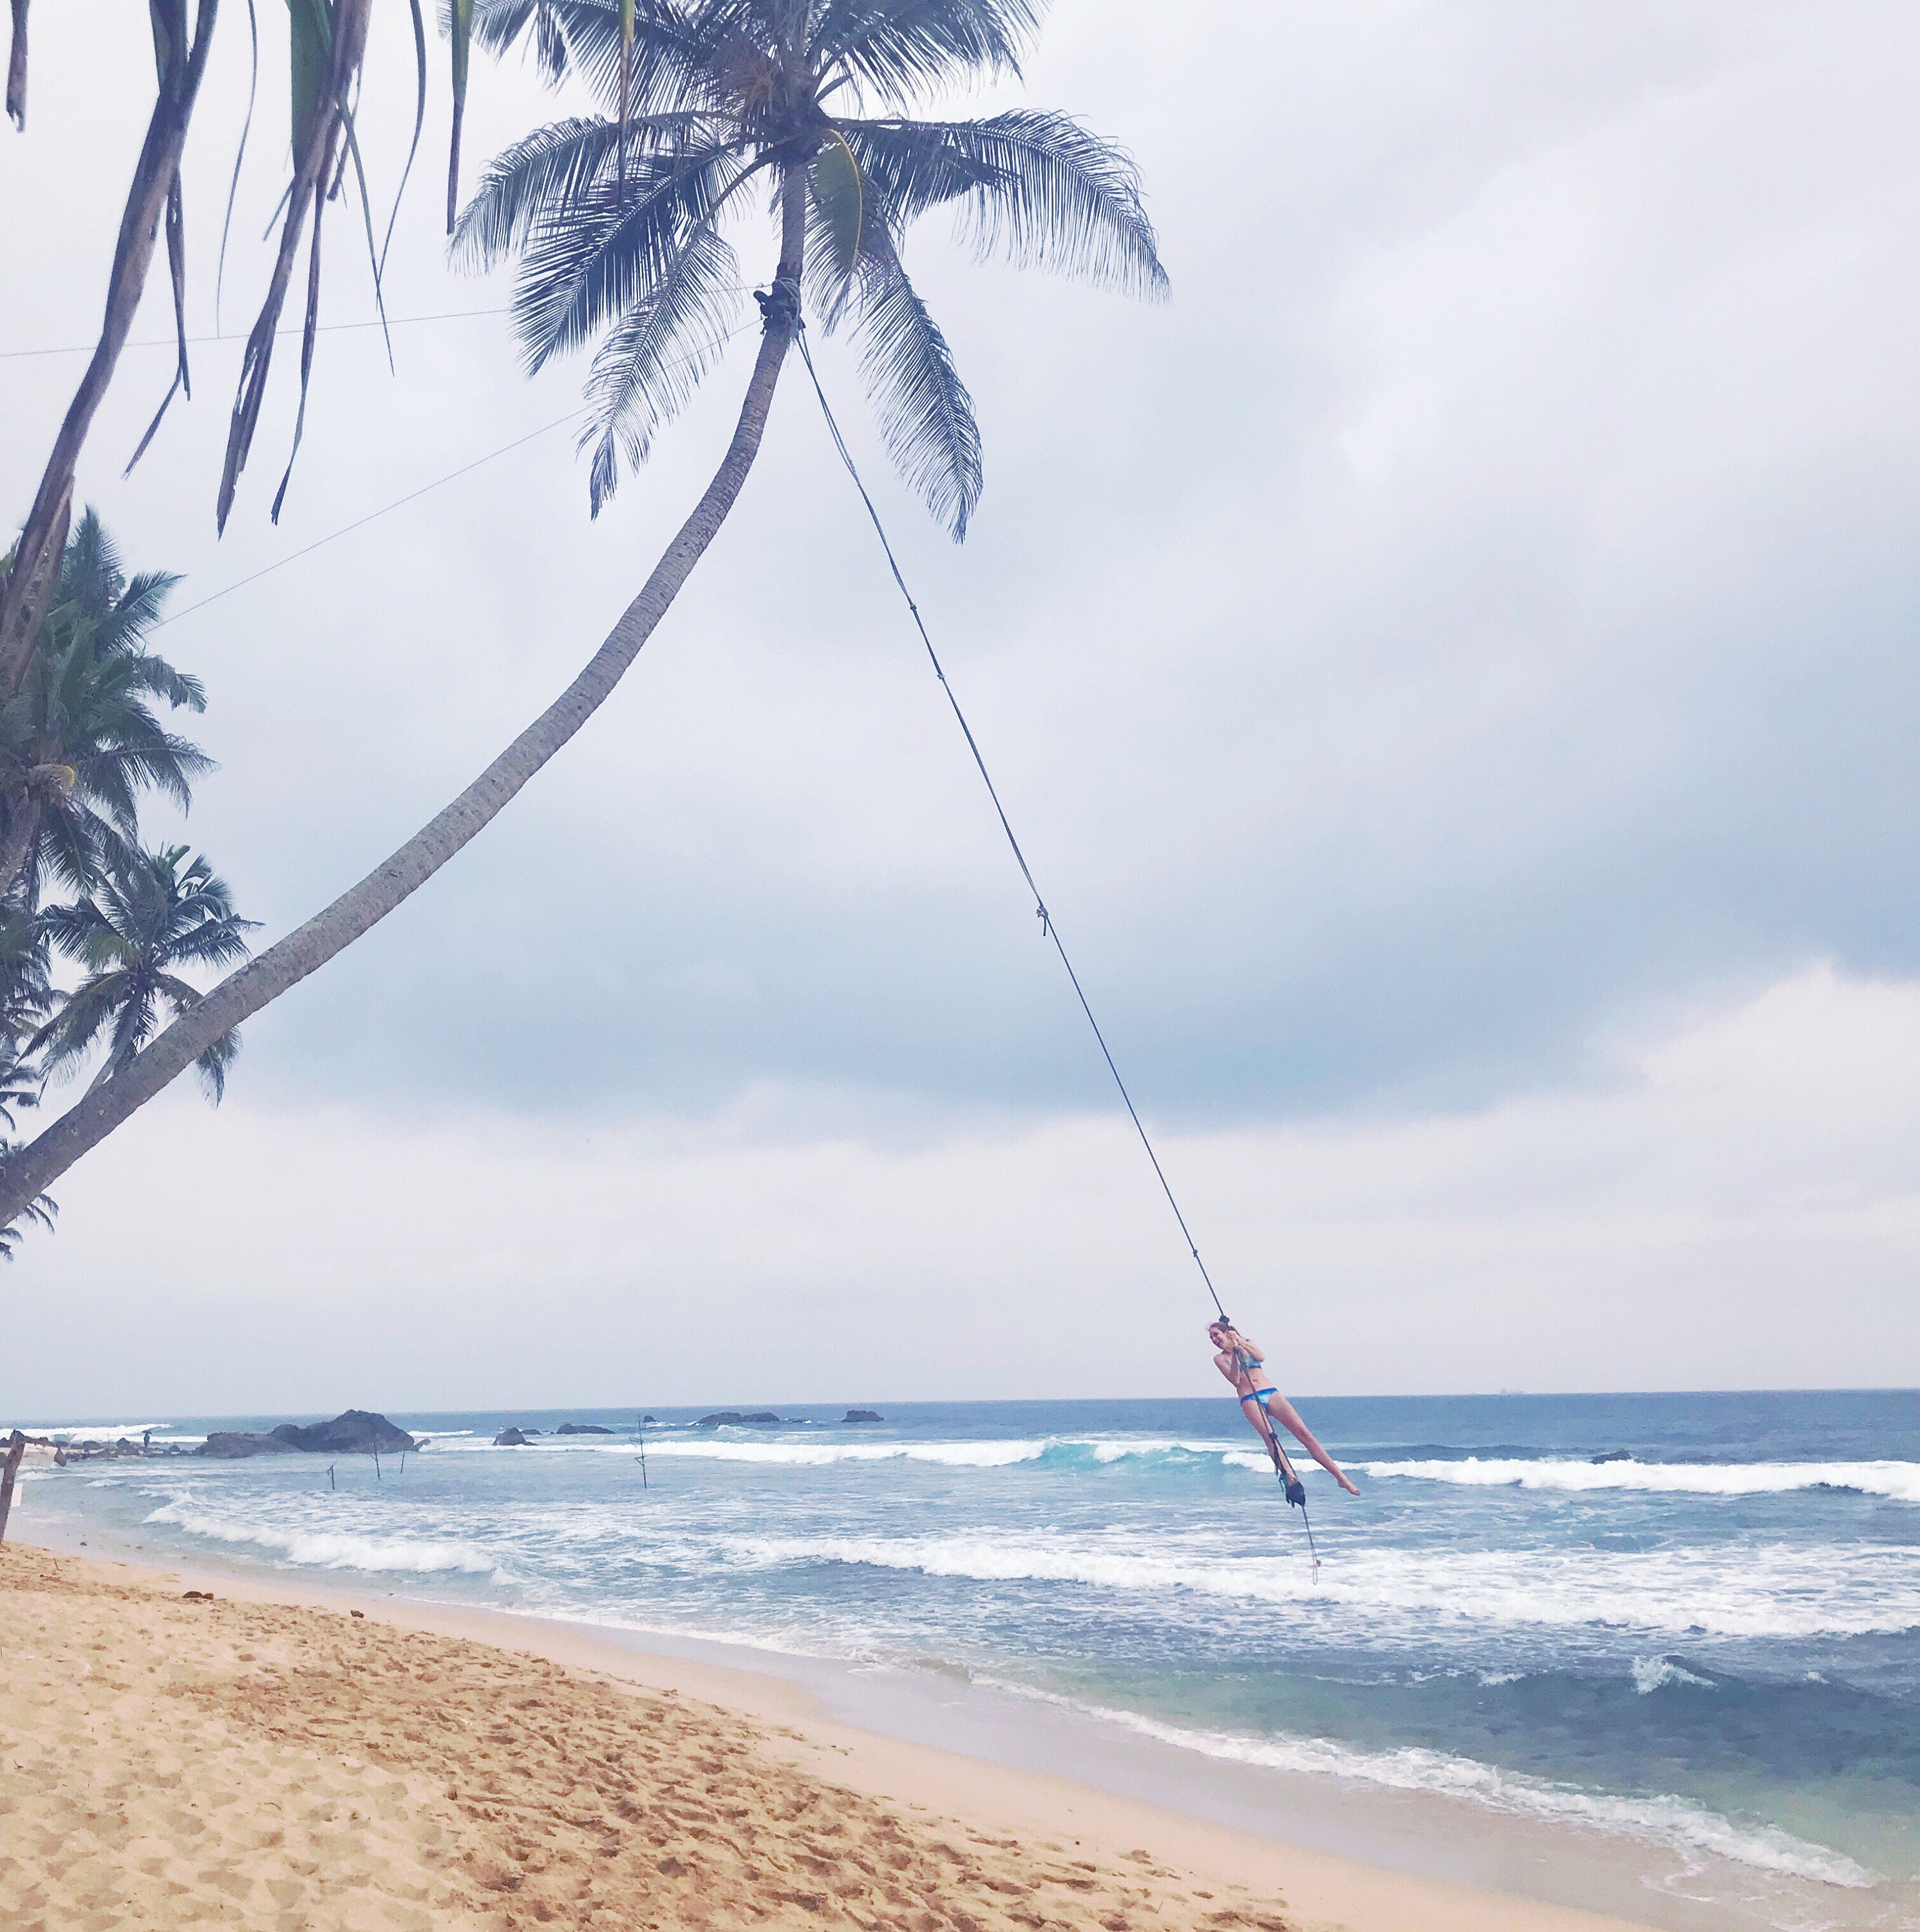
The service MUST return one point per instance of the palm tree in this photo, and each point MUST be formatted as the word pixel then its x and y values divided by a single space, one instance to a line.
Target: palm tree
pixel 619 220
pixel 26 996
pixel 619 228
pixel 152 914
pixel 327 49
pixel 80 741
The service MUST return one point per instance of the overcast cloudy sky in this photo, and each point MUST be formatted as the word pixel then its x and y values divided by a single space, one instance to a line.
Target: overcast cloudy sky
pixel 1452 666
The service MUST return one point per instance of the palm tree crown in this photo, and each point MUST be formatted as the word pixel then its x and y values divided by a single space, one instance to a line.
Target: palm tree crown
pixel 151 913
pixel 80 740
pixel 618 218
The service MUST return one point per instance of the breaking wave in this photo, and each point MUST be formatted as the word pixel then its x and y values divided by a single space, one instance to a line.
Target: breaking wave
pixel 1776 1590
pixel 332 1550
pixel 1664 1820
pixel 1898 1480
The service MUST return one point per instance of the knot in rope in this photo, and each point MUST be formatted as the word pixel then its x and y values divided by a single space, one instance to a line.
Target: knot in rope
pixel 780 306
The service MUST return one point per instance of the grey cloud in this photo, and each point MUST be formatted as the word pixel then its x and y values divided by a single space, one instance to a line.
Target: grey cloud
pixel 1476 612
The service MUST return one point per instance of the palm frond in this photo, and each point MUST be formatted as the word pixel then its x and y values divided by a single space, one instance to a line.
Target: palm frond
pixel 925 413
pixel 913 166
pixel 214 942
pixel 905 49
pixel 672 50
pixel 90 1009
pixel 1054 196
pixel 538 179
pixel 578 275
pixel 653 359
pixel 842 212
pixel 213 1065
pixel 40 1211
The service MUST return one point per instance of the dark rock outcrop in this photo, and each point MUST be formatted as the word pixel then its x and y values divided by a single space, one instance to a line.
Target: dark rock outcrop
pixel 230 1444
pixel 733 1418
pixel 513 1438
pixel 354 1432
pixel 1613 1456
pixel 863 1415
pixel 583 1429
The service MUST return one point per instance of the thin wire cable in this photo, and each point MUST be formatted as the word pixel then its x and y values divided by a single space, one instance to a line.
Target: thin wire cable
pixel 372 517
pixel 240 335
pixel 400 503
pixel 1047 925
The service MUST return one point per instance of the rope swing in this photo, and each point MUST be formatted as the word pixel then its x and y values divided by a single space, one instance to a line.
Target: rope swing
pixel 1294 1490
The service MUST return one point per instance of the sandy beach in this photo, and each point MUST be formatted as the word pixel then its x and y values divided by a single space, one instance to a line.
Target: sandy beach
pixel 260 1758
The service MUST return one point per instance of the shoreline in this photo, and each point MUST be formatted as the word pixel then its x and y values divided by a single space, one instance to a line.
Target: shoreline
pixel 817 1736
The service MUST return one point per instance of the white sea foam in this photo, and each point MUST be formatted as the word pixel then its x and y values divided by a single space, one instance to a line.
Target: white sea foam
pixel 1665 1819
pixel 1898 1480
pixel 1657 1673
pixel 331 1550
pixel 976 1455
pixel 819 1455
pixel 1757 1591
pixel 106 1432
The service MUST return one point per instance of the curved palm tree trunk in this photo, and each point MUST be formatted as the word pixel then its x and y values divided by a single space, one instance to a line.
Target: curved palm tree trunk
pixel 310 947
pixel 36 556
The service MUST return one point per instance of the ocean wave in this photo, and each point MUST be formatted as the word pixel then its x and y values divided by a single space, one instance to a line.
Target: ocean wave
pixel 820 1455
pixel 1659 1673
pixel 331 1549
pixel 1667 1820
pixel 1056 1451
pixel 1899 1480
pixel 1765 1591
pixel 106 1431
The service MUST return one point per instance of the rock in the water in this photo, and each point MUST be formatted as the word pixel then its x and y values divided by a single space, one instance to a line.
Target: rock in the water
pixel 1613 1456
pixel 733 1418
pixel 230 1444
pixel 512 1438
pixel 863 1415
pixel 583 1429
pixel 354 1431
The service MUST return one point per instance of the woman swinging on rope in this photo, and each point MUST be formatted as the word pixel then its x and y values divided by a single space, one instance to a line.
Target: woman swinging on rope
pixel 1244 1365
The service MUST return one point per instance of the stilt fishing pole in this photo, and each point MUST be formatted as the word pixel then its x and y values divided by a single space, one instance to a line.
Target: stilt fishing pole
pixel 1046 918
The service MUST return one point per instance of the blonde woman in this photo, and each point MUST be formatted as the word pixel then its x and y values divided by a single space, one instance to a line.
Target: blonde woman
pixel 1244 1364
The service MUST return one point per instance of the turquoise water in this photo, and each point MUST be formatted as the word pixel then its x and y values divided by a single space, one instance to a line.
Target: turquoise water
pixel 1712 1646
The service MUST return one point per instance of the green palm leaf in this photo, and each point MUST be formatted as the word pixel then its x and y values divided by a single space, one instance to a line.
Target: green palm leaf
pixel 653 359
pixel 925 413
pixel 582 273
pixel 903 49
pixel 1050 194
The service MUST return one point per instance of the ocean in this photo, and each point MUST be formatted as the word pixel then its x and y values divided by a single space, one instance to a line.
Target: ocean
pixel 1705 1652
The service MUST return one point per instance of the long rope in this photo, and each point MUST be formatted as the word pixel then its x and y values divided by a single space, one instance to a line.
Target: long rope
pixel 1046 918
pixel 1283 1469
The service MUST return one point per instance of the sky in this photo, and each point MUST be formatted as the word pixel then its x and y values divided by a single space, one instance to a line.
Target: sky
pixel 1449 667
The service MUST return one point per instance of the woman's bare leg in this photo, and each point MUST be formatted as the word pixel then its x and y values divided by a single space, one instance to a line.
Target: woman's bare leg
pixel 1250 1408
pixel 1284 1412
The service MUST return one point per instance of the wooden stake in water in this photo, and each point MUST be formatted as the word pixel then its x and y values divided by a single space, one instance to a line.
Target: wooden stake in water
pixel 640 1430
pixel 331 1483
